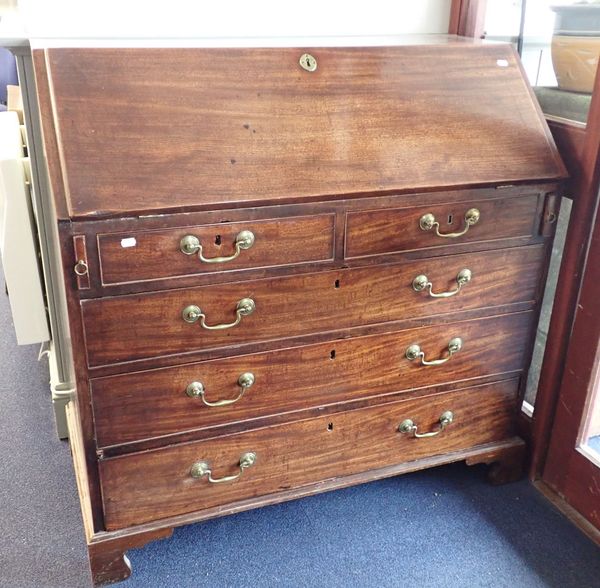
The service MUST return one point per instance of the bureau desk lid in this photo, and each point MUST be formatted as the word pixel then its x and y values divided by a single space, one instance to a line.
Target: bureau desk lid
pixel 146 130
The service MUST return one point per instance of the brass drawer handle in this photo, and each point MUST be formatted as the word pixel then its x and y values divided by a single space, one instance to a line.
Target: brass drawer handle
pixel 193 313
pixel 414 352
pixel 422 282
pixel 408 426
pixel 202 468
pixel 197 390
pixel 191 244
pixel 428 222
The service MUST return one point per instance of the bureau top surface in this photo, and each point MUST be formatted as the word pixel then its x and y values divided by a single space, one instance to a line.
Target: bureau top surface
pixel 145 130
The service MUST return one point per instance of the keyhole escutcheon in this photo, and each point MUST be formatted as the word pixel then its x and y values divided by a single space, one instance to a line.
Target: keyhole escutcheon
pixel 308 62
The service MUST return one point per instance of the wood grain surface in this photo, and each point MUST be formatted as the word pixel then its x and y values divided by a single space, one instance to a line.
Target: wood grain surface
pixel 373 232
pixel 147 255
pixel 125 328
pixel 141 487
pixel 142 405
pixel 250 126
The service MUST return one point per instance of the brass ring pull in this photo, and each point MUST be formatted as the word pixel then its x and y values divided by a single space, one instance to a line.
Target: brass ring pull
pixel 414 352
pixel 422 282
pixel 197 390
pixel 191 245
pixel 428 222
pixel 409 427
pixel 193 313
pixel 81 268
pixel 202 468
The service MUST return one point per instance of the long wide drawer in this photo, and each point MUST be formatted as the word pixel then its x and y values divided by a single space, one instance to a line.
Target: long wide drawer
pixel 157 254
pixel 155 403
pixel 139 488
pixel 125 328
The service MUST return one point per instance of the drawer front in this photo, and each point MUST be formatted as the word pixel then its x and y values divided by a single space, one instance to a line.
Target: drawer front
pixel 139 488
pixel 159 254
pixel 141 326
pixel 375 232
pixel 155 403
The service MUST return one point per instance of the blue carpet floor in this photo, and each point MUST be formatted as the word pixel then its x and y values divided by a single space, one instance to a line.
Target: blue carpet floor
pixel 445 527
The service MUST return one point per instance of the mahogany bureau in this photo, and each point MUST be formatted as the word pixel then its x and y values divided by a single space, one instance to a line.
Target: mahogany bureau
pixel 290 270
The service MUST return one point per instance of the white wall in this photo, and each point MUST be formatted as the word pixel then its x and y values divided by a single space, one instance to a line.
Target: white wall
pixel 231 18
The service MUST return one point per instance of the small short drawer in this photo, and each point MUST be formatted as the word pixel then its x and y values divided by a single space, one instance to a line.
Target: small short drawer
pixel 377 232
pixel 168 253
pixel 142 487
pixel 160 402
pixel 220 316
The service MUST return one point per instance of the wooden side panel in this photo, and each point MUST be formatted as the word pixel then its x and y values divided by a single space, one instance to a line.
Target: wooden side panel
pixel 134 327
pixel 373 232
pixel 570 139
pixel 154 403
pixel 142 487
pixel 250 126
pixel 81 475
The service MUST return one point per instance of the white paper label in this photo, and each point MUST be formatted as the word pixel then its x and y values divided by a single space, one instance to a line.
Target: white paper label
pixel 129 242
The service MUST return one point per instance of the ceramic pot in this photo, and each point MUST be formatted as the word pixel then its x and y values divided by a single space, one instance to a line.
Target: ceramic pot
pixel 576 46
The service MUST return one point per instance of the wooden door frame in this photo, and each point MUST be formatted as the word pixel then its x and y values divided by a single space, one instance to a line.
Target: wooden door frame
pixel 467 18
pixel 568 470
pixel 579 146
pixel 584 166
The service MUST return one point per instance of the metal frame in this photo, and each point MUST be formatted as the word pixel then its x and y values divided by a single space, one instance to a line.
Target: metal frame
pixel 58 351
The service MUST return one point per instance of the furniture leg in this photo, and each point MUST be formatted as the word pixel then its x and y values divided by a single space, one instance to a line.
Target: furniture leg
pixel 108 562
pixel 507 463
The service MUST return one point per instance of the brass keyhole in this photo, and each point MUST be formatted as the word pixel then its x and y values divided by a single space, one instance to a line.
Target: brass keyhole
pixel 308 62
